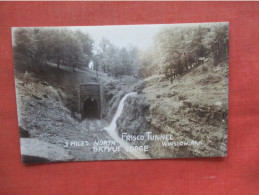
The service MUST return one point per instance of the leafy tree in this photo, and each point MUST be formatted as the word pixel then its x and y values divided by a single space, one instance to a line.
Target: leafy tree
pixel 35 47
pixel 115 60
pixel 25 48
pixel 181 47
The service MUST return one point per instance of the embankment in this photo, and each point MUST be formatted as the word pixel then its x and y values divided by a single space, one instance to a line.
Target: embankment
pixel 194 109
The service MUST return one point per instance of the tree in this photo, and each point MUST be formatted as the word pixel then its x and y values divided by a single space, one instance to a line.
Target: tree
pixel 216 41
pixel 134 61
pixel 85 50
pixel 57 45
pixel 36 46
pixel 104 54
pixel 25 48
pixel 180 47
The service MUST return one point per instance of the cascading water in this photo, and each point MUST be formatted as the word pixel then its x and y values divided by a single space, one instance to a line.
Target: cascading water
pixel 111 129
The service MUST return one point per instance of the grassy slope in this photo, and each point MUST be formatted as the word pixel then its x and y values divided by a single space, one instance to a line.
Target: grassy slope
pixel 193 108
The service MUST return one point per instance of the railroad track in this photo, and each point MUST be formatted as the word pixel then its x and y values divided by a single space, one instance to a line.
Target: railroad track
pixel 106 136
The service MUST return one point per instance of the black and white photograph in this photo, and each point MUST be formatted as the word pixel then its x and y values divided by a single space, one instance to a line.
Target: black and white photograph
pixel 123 92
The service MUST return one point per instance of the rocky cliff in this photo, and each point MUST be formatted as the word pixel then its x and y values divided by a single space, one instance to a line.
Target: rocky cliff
pixel 194 110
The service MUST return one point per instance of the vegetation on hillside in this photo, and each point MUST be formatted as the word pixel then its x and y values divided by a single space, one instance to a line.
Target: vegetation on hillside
pixel 116 61
pixel 181 82
pixel 176 49
pixel 192 108
pixel 35 47
pixel 180 48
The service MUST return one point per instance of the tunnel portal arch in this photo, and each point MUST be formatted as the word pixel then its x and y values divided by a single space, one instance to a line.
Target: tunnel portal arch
pixel 91 101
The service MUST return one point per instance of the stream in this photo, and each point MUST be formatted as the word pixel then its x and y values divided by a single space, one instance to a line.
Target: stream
pixel 111 129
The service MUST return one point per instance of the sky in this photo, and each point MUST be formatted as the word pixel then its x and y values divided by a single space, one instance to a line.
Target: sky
pixel 140 36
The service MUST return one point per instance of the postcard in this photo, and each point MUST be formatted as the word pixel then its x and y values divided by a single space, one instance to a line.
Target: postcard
pixel 87 93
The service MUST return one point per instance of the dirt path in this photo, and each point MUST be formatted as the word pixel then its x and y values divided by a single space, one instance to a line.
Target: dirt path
pixel 93 133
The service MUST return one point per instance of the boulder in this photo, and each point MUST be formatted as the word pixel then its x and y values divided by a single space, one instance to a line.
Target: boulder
pixel 36 97
pixel 187 104
pixel 171 94
pixel 181 97
pixel 45 83
pixel 37 151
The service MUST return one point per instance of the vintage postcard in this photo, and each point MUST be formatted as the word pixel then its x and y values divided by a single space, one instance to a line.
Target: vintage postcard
pixel 122 92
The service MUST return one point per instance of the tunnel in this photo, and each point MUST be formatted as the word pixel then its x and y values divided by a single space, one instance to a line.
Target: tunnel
pixel 91 109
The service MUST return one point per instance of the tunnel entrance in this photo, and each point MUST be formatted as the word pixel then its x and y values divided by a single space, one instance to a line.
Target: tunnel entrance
pixel 91 100
pixel 91 109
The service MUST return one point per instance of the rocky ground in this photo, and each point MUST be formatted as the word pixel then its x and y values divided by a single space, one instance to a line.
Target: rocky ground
pixel 193 108
pixel 45 121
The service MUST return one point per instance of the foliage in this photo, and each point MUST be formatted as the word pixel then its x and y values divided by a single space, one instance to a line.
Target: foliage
pixel 35 47
pixel 176 49
pixel 182 47
pixel 117 61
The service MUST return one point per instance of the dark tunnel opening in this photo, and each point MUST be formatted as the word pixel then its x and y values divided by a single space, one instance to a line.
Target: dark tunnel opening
pixel 91 108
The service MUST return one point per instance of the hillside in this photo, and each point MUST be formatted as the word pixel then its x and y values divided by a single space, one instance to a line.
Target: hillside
pixel 44 117
pixel 49 118
pixel 193 108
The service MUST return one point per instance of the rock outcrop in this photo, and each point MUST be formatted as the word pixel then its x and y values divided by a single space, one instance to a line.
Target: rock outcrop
pixel 37 151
